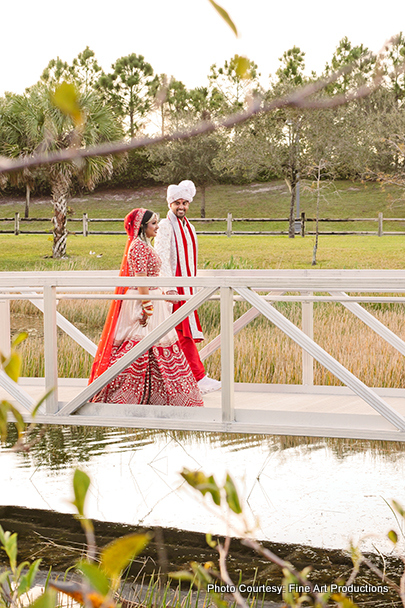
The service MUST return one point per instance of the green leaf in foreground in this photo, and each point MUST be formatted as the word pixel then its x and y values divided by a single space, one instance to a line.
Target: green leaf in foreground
pixel 9 542
pixel 95 576
pixel 232 497
pixel 81 483
pixel 19 338
pixel 66 99
pixel 393 536
pixel 116 556
pixel 398 508
pixel 242 67
pixel 225 16
pixel 46 600
pixel 202 483
pixel 12 366
pixel 27 580
pixel 41 401
pixel 5 408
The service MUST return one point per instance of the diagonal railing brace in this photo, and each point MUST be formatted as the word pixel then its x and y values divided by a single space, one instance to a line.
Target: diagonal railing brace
pixel 16 391
pixel 370 320
pixel 349 379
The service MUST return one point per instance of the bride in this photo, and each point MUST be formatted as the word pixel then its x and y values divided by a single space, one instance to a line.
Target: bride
pixel 161 376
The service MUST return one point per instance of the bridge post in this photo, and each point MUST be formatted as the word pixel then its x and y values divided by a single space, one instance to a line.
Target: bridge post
pixel 5 327
pixel 51 348
pixel 227 354
pixel 308 329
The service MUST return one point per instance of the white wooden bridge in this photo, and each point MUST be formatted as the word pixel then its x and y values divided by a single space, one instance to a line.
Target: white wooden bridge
pixel 354 410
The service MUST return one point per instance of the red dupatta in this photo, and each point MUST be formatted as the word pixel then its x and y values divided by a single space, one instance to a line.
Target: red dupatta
pixel 101 361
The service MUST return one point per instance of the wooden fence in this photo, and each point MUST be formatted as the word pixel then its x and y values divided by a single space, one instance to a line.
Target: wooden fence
pixel 301 225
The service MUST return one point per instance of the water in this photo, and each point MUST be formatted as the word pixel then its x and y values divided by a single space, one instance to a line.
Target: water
pixel 321 493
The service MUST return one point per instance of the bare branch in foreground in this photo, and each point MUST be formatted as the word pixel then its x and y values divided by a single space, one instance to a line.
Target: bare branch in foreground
pixel 298 99
pixel 272 557
pixel 223 551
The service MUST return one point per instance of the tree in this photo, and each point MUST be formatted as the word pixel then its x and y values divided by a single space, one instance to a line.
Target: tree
pixel 85 71
pixel 171 99
pixel 128 89
pixel 42 127
pixel 394 66
pixel 191 159
pixel 55 72
pixel 290 75
pixel 388 132
pixel 234 82
pixel 322 138
pixel 345 54
pixel 291 70
pixel 14 143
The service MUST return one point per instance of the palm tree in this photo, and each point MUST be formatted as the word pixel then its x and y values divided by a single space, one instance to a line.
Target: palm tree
pixel 13 143
pixel 35 124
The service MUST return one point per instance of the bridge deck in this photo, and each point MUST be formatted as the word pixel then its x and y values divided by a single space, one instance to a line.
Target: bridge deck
pixel 317 411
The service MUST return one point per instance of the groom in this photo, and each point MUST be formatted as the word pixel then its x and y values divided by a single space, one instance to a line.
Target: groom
pixel 176 244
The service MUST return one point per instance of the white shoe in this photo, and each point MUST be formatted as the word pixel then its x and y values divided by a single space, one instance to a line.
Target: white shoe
pixel 208 385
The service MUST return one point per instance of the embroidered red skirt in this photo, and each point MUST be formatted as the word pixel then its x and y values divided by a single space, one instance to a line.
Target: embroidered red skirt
pixel 161 376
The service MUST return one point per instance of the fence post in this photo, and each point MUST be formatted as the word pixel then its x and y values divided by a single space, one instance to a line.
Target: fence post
pixel 17 223
pixel 308 329
pixel 85 224
pixel 51 348
pixel 227 354
pixel 303 223
pixel 380 224
pixel 229 224
pixel 5 327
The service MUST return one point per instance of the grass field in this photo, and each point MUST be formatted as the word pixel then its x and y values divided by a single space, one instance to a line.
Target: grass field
pixel 262 353
pixel 28 252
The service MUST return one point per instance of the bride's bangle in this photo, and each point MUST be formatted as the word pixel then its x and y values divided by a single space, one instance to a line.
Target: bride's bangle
pixel 147 307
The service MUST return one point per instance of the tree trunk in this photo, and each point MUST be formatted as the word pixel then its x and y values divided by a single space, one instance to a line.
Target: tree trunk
pixel 27 200
pixel 318 196
pixel 291 219
pixel 60 191
pixel 202 209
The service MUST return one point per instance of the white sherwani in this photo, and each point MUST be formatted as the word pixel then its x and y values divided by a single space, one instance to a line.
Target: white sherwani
pixel 169 246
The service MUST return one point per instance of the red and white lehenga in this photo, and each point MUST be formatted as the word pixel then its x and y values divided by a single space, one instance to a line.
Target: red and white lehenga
pixel 162 375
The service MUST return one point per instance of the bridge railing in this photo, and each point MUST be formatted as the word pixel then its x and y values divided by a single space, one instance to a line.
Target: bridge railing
pixel 260 288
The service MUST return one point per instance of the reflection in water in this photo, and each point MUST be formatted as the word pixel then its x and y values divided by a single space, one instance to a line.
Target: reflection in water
pixel 319 492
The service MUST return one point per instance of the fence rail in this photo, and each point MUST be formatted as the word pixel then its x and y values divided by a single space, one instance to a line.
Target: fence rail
pixel 301 225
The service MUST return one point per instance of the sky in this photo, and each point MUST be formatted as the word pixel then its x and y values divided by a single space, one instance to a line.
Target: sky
pixel 183 38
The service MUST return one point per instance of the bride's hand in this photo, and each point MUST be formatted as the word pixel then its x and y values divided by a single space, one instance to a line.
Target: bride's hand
pixel 147 312
pixel 144 319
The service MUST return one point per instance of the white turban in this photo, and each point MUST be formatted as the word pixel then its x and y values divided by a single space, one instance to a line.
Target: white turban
pixel 185 189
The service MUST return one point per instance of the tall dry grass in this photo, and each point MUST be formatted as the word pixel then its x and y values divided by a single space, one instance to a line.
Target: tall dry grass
pixel 263 354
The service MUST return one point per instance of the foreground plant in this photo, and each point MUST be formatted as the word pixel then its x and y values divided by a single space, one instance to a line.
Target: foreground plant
pixel 99 580
pixel 296 588
pixel 18 579
pixel 11 366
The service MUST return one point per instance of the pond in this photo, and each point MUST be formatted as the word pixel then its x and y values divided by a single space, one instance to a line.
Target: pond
pixel 321 493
